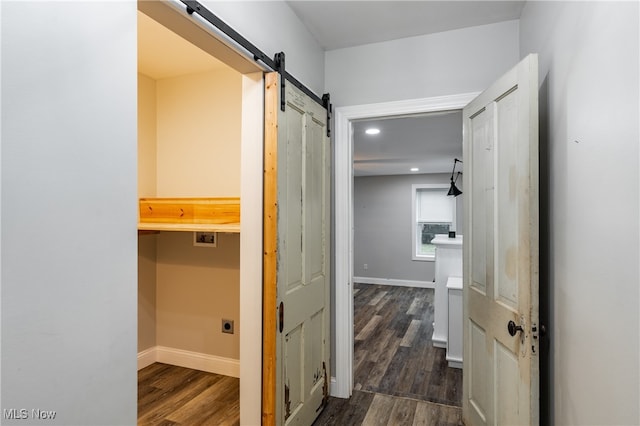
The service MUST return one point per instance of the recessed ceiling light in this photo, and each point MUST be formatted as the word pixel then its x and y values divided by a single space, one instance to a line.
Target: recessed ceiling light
pixel 414 169
pixel 372 131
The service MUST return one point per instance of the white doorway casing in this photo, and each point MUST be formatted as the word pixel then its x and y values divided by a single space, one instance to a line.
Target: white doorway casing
pixel 342 382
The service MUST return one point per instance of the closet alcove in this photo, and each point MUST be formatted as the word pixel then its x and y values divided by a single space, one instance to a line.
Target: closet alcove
pixel 189 130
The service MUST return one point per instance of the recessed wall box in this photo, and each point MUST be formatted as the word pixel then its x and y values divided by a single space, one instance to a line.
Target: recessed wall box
pixel 227 326
pixel 205 239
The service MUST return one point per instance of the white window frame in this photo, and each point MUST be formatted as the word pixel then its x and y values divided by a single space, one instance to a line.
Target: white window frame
pixel 414 242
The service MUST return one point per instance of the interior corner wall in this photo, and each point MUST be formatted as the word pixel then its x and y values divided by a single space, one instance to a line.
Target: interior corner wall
pixel 69 211
pixel 273 27
pixel 147 244
pixel 147 277
pixel 446 63
pixel 147 136
pixel 589 226
pixel 382 227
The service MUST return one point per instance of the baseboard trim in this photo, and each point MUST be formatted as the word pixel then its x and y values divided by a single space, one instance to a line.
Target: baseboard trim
pixel 454 362
pixel 398 283
pixel 333 391
pixel 439 342
pixel 188 359
pixel 146 357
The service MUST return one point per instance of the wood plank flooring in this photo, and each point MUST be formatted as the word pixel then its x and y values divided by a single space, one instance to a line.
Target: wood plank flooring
pixel 367 408
pixel 400 378
pixel 176 396
pixel 393 351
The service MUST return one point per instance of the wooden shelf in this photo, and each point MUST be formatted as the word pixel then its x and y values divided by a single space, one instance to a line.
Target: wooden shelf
pixel 190 214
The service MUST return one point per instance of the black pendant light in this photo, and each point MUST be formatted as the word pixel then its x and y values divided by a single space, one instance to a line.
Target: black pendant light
pixel 453 190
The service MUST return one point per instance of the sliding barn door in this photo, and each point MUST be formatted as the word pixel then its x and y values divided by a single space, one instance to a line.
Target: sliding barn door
pixel 501 326
pixel 297 179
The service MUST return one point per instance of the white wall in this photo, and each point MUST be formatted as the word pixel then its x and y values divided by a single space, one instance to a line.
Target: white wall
pixel 590 192
pixel 69 211
pixel 251 248
pixel 273 27
pixel 446 63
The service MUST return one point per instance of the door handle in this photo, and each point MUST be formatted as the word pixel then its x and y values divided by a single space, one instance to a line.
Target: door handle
pixel 513 328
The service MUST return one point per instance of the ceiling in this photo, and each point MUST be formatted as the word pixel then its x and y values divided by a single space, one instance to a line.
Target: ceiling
pixel 338 24
pixel 428 142
pixel 163 54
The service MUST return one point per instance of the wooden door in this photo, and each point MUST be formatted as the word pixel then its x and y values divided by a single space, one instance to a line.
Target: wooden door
pixel 297 179
pixel 500 145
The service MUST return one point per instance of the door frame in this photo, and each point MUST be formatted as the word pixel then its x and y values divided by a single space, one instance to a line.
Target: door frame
pixel 342 382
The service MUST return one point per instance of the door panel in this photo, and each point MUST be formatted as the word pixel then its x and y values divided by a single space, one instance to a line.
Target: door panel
pixel 477 383
pixel 300 201
pixel 481 195
pixel 293 355
pixel 505 286
pixel 506 368
pixel 501 251
pixel 290 199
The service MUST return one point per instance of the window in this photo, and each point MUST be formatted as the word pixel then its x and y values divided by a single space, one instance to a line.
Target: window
pixel 433 212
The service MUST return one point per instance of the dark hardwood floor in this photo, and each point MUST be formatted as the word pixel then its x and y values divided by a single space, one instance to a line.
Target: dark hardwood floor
pixel 400 378
pixel 393 352
pixel 176 396
pixel 366 408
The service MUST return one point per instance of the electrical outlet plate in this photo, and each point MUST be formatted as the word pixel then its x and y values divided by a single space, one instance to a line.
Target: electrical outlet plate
pixel 205 239
pixel 227 326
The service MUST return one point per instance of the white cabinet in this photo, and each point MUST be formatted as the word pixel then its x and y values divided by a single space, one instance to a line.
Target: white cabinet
pixel 454 334
pixel 448 264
